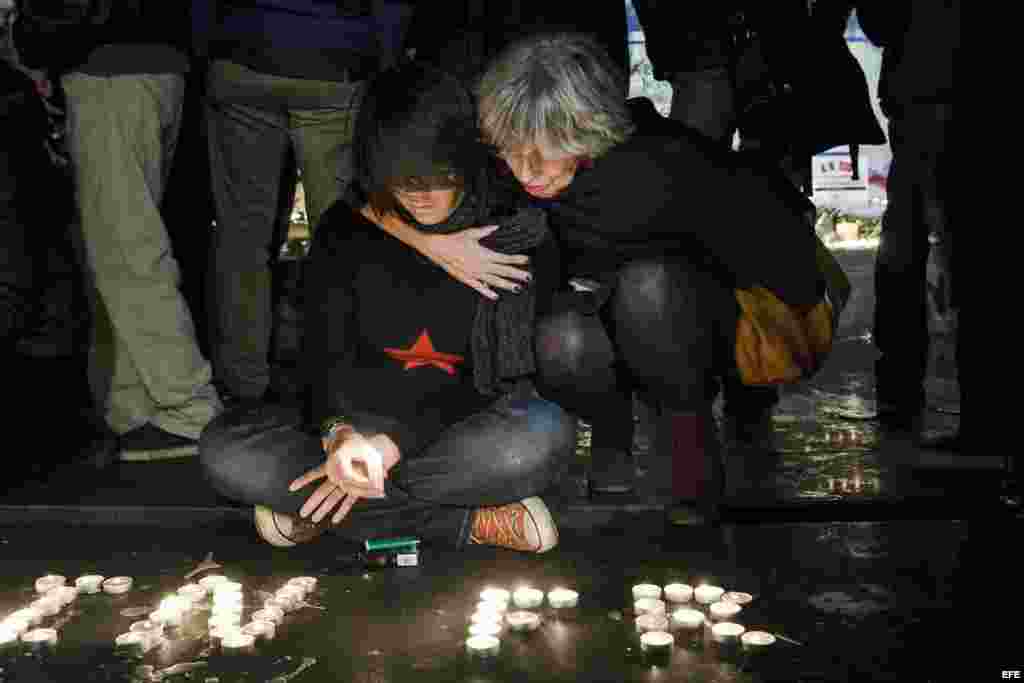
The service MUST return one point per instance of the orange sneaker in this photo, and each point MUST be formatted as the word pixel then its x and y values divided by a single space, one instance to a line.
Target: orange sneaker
pixel 526 526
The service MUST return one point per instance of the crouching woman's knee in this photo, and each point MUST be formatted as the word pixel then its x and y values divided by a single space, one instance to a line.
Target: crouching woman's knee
pixel 544 445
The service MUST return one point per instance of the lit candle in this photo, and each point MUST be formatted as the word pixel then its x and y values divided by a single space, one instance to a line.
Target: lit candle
pixel 66 594
pixel 30 614
pixel 9 636
pixel 483 646
pixel 90 583
pixel 47 605
pixel 295 591
pixel 221 631
pixel 688 619
pixel 657 642
pixel 261 630
pixel 308 583
pixel 176 603
pixel 228 598
pixel 756 640
pixel 16 624
pixel 485 617
pixel 737 597
pixel 727 633
pixel 560 598
pixel 528 598
pixel 723 611
pixel 287 601
pixel 268 614
pixel 705 594
pixel 495 595
pixel 225 619
pixel 485 628
pixel 649 606
pixel 193 592
pixel 135 640
pixel 208 582
pixel 237 642
pixel 678 592
pixel 150 628
pixel 522 620
pixel 280 603
pixel 227 587
pixel 116 585
pixel 166 617
pixel 45 584
pixel 646 590
pixel 498 608
pixel 651 622
pixel 40 636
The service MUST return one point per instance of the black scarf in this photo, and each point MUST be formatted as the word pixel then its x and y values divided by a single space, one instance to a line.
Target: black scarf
pixel 502 335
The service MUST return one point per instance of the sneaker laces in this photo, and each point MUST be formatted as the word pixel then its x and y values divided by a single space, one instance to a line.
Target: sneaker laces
pixel 503 526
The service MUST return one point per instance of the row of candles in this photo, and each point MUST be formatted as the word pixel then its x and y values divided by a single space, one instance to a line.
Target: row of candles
pixel 226 608
pixel 492 615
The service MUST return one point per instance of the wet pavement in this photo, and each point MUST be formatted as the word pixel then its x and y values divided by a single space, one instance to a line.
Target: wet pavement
pixel 854 542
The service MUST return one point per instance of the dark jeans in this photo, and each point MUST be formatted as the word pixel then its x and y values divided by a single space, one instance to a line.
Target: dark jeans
pixel 515 449
pixel 668 330
pixel 919 189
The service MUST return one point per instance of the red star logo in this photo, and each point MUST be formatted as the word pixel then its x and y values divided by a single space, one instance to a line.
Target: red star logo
pixel 423 353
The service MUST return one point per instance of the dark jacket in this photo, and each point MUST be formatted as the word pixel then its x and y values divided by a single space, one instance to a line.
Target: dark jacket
pixel 920 38
pixel 686 36
pixel 150 36
pixel 313 39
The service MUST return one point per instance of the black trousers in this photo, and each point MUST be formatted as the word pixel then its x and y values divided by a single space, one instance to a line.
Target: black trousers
pixel 517 448
pixel 668 330
pixel 920 192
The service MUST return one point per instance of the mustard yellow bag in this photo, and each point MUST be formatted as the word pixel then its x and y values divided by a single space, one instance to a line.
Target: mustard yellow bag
pixel 777 344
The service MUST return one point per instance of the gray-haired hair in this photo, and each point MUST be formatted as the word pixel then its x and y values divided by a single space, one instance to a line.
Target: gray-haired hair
pixel 559 90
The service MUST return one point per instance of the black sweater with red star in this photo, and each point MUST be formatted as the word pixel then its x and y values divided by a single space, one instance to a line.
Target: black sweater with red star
pixel 388 332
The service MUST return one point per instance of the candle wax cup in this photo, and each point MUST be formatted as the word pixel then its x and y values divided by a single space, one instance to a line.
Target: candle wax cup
pixel 66 594
pixel 237 641
pixel 757 639
pixel 483 646
pixel 651 622
pixel 495 595
pixel 45 584
pixel 40 636
pixel 678 592
pixel 737 597
pixel 562 597
pixel 649 606
pixel 47 606
pixel 293 591
pixel 528 598
pixel 522 621
pixel 141 640
pixel 17 625
pixel 90 583
pixel 9 635
pixel 707 594
pixel 656 641
pixel 269 614
pixel 727 632
pixel 225 620
pixel 646 590
pixel 688 618
pixel 192 592
pixel 117 585
pixel 260 629
pixel 485 617
pixel 498 608
pixel 724 611
pixel 211 580
pixel 308 583
pixel 485 628
pixel 221 631
pixel 283 604
pixel 31 614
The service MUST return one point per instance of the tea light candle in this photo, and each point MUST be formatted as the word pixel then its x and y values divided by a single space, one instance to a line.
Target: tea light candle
pixel 137 640
pixel 705 594
pixel 296 592
pixel 495 595
pixel 724 611
pixel 208 582
pixel 227 587
pixel 30 614
pixel 560 598
pixel 528 598
pixel 261 630
pixel 150 628
pixel 90 583
pixel 688 619
pixel 286 601
pixel 225 619
pixel 48 606
pixel 483 646
pixel 237 642
pixel 308 583
pixel 485 628
pixel 279 603
pixel 176 603
pixel 40 636
pixel 727 633
pixel 221 631
pixel 678 592
pixel 756 640
pixel 651 622
pixel 522 620
pixel 17 625
pixel 649 606
pixel 9 636
pixel 193 592
pixel 228 598
pixel 485 617
pixel 646 590
pixel 498 608
pixel 657 642
pixel 45 584
pixel 66 594
pixel 737 597
pixel 268 614
pixel 117 585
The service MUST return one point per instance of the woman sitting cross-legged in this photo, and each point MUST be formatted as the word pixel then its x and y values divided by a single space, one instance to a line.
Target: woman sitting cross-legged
pixel 431 426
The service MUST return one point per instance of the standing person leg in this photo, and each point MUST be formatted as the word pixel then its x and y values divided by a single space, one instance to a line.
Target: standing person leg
pixel 247 154
pixel 159 386
pixel 494 460
pixel 901 320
